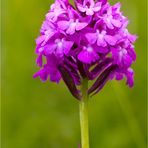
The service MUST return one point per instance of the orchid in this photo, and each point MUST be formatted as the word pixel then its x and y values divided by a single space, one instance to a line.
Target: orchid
pixel 113 17
pixel 75 23
pixel 59 47
pixel 89 7
pixel 101 38
pixel 86 42
pixel 47 31
pixel 57 9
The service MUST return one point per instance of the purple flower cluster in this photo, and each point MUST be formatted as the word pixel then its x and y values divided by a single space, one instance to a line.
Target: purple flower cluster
pixel 88 40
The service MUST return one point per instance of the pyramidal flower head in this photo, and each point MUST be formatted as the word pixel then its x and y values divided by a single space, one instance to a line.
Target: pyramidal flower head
pixel 89 40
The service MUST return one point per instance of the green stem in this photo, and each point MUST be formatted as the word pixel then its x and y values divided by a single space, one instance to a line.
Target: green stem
pixel 83 108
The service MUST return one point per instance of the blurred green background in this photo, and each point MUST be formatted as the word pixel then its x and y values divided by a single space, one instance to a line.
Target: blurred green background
pixel 45 115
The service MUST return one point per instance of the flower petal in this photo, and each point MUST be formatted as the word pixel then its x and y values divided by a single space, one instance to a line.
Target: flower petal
pixel 130 77
pixel 110 40
pixel 116 23
pixel 55 76
pixel 81 8
pixel 102 50
pixel 87 56
pixel 101 42
pixel 42 73
pixel 49 48
pixel 40 39
pixel 67 46
pixel 89 11
pixel 63 25
pixel 119 76
pixel 132 53
pixel 39 60
pixel 91 37
pixel 71 29
pixel 81 25
pixel 127 60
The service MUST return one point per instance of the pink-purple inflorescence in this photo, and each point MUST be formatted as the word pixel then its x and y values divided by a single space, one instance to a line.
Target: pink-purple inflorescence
pixel 89 40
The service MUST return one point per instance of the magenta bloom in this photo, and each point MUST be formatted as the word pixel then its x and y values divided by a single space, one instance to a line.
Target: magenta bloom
pixel 90 40
pixel 89 7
